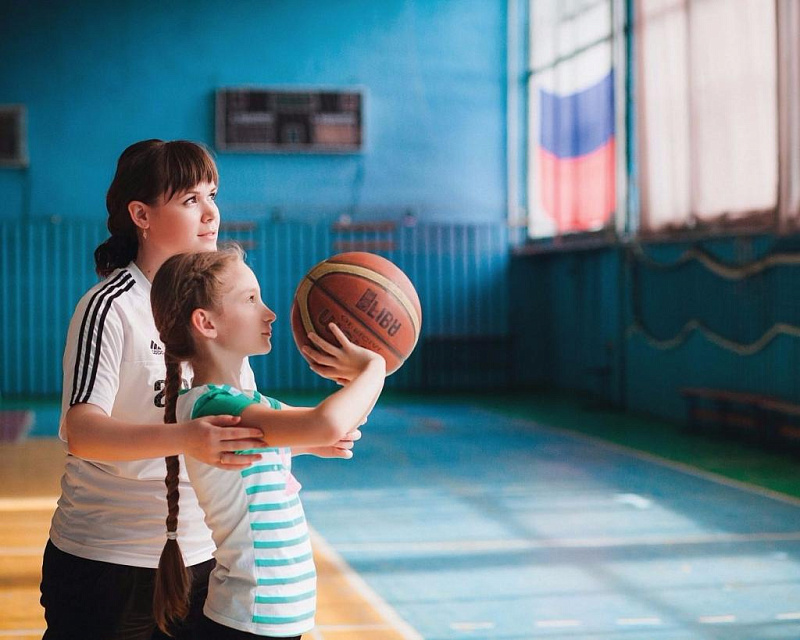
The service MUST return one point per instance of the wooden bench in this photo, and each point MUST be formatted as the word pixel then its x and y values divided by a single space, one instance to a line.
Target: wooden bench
pixel 768 420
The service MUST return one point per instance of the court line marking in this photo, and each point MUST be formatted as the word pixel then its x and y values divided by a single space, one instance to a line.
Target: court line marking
pixel 471 626
pixel 28 504
pixel 626 622
pixel 363 589
pixel 725 619
pixel 558 624
pixel 650 457
pixel 521 544
pixel 354 627
pixel 790 615
pixel 21 552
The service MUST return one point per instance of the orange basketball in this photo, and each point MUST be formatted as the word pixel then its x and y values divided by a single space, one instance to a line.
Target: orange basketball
pixel 371 300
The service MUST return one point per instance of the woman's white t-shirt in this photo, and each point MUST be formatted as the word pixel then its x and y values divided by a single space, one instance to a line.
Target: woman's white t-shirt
pixel 116 511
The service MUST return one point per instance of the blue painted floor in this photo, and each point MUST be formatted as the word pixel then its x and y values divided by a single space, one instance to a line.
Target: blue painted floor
pixel 475 525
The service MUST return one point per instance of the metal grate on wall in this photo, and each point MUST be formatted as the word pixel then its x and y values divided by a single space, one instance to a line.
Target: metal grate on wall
pixel 460 272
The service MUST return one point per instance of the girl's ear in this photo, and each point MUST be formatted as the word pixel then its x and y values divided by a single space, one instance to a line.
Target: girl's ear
pixel 202 322
pixel 140 214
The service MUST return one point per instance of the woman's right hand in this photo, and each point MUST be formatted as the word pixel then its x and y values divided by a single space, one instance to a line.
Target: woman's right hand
pixel 215 439
pixel 339 363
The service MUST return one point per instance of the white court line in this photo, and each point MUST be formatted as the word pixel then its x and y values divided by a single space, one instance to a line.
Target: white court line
pixel 727 619
pixel 626 622
pixel 364 590
pixel 21 552
pixel 650 457
pixel 28 504
pixel 521 544
pixel 315 634
pixel 354 627
pixel 471 626
pixel 558 624
pixel 791 615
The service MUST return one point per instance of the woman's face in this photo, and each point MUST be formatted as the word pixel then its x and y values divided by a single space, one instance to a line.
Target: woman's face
pixel 187 222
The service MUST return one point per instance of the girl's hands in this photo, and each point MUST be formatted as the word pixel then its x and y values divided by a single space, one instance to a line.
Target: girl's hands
pixel 214 440
pixel 341 449
pixel 338 363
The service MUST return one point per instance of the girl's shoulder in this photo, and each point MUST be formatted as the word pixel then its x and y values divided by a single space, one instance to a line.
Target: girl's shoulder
pixel 223 399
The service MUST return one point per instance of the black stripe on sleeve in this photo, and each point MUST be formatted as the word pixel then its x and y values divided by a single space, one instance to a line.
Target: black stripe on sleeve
pixel 99 341
pixel 90 318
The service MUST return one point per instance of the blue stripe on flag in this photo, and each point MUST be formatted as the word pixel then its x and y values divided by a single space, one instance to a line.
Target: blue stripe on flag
pixel 579 123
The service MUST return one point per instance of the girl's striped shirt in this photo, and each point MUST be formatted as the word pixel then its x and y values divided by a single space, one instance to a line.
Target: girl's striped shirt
pixel 265 581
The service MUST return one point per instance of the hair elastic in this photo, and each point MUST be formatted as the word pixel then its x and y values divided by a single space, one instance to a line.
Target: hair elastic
pixel 172 535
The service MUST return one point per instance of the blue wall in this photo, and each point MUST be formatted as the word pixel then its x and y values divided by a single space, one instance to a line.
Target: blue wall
pixel 96 76
pixel 460 272
pixel 600 321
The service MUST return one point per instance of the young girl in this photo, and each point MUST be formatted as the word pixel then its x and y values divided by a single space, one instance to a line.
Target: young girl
pixel 208 310
pixel 107 532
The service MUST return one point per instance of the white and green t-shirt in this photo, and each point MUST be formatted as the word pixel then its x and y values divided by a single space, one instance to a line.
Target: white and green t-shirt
pixel 265 581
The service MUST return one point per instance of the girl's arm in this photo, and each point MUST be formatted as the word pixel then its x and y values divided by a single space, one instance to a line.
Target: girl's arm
pixel 339 413
pixel 94 435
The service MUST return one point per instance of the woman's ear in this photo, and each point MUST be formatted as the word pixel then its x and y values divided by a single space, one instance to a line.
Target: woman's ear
pixel 203 323
pixel 140 214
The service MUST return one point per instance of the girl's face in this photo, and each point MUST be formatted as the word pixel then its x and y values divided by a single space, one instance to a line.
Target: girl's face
pixel 243 322
pixel 187 222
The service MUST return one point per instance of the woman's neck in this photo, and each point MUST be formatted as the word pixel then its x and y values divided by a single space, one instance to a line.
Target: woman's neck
pixel 149 262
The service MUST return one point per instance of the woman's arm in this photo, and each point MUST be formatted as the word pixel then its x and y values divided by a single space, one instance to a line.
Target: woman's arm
pixel 341 449
pixel 94 435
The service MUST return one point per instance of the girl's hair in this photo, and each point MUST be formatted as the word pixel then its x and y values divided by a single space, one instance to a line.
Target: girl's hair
pixel 185 282
pixel 146 171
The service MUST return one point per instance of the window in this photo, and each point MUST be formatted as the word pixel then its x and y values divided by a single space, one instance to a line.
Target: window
pixel 572 152
pixel 707 113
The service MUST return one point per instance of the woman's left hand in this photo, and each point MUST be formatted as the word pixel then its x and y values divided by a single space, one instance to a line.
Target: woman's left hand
pixel 341 449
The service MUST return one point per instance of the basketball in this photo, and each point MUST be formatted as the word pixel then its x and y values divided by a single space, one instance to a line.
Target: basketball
pixel 368 297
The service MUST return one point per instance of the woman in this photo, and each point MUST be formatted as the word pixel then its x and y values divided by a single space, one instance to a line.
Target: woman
pixel 107 532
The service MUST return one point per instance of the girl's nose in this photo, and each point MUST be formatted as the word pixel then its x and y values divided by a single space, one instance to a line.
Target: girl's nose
pixel 270 314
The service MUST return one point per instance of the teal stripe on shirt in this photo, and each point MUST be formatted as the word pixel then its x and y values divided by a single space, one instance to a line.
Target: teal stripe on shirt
pixel 277 544
pixel 282 562
pixel 274 506
pixel 258 468
pixel 272 582
pixel 263 488
pixel 248 452
pixel 270 526
pixel 285 599
pixel 282 620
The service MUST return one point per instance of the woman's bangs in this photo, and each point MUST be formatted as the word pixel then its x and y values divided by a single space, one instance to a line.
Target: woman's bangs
pixel 187 165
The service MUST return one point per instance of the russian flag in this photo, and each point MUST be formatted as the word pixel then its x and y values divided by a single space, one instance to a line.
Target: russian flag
pixel 576 157
pixel 574 120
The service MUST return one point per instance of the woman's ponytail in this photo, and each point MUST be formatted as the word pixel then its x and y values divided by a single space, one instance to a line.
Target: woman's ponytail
pixel 173 581
pixel 117 251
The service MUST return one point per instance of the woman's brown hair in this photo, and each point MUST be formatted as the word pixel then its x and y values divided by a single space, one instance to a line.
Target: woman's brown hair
pixel 185 282
pixel 146 171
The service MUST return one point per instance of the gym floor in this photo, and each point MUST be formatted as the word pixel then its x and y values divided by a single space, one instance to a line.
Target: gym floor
pixel 513 517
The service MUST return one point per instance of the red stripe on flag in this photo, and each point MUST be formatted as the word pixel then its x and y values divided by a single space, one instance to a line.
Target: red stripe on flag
pixel 578 193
